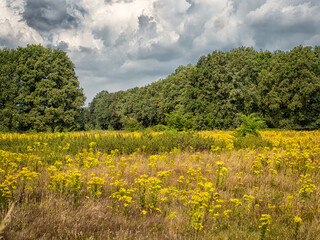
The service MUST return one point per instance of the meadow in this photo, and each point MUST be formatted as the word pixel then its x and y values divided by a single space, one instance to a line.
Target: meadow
pixel 160 185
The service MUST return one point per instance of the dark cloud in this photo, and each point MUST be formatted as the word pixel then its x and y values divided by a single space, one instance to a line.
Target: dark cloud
pixel 158 51
pixel 122 41
pixel 7 43
pixel 46 15
pixel 284 28
pixel 246 6
pixel 147 24
pixel 86 50
pixel 104 34
pixel 64 46
pixel 279 40
pixel 191 31
pixel 193 7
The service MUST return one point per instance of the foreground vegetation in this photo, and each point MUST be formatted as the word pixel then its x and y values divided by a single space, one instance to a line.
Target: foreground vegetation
pixel 160 185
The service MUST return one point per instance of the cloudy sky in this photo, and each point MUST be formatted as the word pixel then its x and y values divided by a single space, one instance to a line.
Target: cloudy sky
pixel 120 44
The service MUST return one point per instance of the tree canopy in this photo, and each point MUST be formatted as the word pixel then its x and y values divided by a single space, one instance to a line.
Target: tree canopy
pixel 39 90
pixel 282 87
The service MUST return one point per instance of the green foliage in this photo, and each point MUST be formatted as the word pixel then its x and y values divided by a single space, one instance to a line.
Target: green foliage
pixel 39 90
pixel 289 89
pixel 282 87
pixel 250 124
pixel 177 121
pixel 159 128
pixel 131 124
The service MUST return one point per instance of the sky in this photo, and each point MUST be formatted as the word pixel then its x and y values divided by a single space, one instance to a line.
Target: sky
pixel 120 44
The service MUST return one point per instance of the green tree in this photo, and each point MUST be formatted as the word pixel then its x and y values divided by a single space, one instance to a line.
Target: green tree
pixel 9 88
pixel 290 90
pixel 45 90
pixel 224 84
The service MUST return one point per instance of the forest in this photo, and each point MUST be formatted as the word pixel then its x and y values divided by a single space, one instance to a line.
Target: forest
pixel 283 88
pixel 40 92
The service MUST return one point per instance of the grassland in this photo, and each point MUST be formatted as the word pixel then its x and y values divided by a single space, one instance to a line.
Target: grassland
pixel 160 185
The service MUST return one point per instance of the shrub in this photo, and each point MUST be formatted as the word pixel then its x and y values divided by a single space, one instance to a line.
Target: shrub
pixel 177 121
pixel 250 124
pixel 131 124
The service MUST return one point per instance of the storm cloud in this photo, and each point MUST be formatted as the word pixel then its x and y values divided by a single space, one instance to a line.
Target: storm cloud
pixel 120 44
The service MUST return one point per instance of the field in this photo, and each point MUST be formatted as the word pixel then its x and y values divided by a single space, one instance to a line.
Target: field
pixel 160 185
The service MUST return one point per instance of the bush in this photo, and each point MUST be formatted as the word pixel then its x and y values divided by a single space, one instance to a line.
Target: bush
pixel 131 124
pixel 177 121
pixel 250 125
pixel 159 128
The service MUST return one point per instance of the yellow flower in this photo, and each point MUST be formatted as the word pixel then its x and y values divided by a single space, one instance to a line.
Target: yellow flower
pixel 297 219
pixel 143 212
pixel 219 163
pixel 52 169
pixel 265 220
pixel 173 215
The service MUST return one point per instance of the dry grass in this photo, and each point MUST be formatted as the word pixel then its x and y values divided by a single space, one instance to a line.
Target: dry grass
pixel 7 219
pixel 53 214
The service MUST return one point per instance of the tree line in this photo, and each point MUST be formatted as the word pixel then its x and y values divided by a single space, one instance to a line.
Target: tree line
pixel 39 90
pixel 283 88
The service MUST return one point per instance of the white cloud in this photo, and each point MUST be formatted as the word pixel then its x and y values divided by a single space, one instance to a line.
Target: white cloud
pixel 13 31
pixel 119 17
pixel 77 38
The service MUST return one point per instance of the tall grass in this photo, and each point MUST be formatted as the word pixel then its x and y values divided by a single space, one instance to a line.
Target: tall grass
pixel 126 143
pixel 168 185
